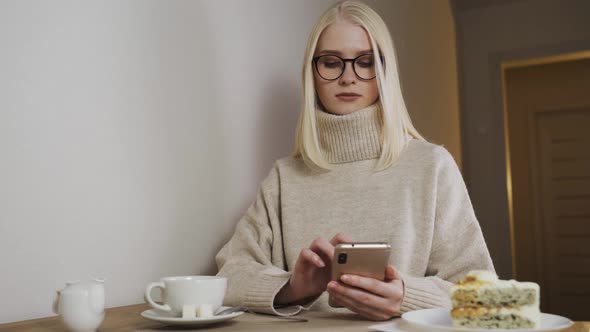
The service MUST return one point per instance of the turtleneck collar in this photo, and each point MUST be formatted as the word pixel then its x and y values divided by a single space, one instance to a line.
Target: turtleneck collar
pixel 351 137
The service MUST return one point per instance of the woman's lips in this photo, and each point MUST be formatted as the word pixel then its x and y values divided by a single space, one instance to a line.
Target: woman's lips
pixel 348 96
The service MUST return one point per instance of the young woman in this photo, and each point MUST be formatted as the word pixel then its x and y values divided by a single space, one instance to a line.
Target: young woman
pixel 360 172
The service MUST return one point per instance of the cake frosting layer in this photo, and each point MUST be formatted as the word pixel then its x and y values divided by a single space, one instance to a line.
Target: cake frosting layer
pixel 497 317
pixel 482 300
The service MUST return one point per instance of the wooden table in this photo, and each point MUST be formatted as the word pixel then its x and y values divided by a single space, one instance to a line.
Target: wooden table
pixel 128 319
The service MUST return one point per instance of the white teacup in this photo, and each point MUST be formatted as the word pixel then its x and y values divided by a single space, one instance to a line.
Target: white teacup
pixel 188 290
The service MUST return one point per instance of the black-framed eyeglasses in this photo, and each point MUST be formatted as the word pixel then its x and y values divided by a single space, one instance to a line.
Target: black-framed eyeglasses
pixel 331 67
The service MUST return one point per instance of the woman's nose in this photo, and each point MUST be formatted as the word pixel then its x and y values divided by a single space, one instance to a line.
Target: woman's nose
pixel 348 76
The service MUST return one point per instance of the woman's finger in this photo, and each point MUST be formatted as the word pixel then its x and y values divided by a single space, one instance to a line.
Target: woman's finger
pixel 322 247
pixel 351 305
pixel 312 257
pixel 361 298
pixel 371 285
pixel 359 308
pixel 391 273
pixel 340 238
pixel 382 307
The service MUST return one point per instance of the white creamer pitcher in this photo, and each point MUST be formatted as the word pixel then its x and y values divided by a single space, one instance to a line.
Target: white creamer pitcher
pixel 81 305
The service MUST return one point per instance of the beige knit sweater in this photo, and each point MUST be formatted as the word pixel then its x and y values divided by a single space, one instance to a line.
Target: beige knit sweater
pixel 420 206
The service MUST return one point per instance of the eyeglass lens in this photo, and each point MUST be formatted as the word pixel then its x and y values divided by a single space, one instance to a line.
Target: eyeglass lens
pixel 331 67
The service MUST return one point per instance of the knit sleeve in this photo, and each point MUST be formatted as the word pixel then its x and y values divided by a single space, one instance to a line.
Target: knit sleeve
pixel 253 259
pixel 458 243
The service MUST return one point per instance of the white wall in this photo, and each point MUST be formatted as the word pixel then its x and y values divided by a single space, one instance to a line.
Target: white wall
pixel 133 134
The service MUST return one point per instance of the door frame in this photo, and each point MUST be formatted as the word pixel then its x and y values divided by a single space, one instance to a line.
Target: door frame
pixel 504 66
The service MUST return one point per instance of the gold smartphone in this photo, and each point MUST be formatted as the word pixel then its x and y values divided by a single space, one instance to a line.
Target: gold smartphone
pixel 367 259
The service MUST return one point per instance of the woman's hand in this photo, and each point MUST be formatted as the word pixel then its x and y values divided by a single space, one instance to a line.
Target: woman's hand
pixel 370 298
pixel 312 271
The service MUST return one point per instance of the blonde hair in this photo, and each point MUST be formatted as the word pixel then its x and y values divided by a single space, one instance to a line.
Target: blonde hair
pixel 397 125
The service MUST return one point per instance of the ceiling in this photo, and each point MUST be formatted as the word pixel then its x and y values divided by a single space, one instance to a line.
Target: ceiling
pixel 461 5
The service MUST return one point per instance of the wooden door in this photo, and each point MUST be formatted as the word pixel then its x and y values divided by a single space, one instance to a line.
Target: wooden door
pixel 548 142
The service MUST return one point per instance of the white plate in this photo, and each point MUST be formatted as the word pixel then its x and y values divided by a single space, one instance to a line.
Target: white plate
pixel 439 319
pixel 167 318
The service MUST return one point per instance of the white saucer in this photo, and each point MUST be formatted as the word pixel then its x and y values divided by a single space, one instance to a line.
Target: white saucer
pixel 439 319
pixel 167 318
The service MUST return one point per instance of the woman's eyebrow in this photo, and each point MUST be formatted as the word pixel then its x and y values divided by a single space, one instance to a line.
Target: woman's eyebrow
pixel 340 53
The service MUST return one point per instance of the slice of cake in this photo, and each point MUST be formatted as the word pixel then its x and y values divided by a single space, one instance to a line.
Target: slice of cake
pixel 481 300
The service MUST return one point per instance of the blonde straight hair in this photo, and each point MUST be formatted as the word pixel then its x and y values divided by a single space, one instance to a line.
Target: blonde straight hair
pixel 397 125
